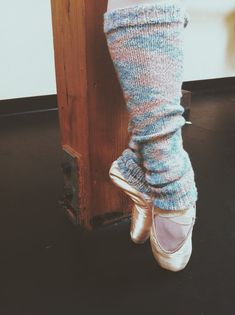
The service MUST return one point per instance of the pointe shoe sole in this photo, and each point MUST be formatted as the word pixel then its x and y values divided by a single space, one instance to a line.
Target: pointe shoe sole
pixel 141 217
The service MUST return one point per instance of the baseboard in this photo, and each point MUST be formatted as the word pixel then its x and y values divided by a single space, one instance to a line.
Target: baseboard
pixel 28 104
pixel 47 102
pixel 210 86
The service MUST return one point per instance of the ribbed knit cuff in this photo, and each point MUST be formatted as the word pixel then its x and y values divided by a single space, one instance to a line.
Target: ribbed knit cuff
pixel 144 14
pixel 182 195
pixel 133 172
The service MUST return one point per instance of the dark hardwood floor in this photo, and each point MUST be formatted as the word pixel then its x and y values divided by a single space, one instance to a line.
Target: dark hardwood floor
pixel 50 267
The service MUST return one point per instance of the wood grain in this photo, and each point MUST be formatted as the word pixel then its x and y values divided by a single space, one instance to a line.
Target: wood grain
pixel 92 112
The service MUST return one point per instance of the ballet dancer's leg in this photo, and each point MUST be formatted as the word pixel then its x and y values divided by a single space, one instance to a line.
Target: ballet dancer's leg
pixel 145 43
pixel 131 161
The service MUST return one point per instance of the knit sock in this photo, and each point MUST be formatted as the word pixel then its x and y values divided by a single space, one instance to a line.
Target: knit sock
pixel 145 43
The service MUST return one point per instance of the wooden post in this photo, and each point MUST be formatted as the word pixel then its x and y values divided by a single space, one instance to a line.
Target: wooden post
pixel 92 114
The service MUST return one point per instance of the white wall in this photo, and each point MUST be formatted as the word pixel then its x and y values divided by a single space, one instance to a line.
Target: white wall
pixel 27 57
pixel 26 49
pixel 210 39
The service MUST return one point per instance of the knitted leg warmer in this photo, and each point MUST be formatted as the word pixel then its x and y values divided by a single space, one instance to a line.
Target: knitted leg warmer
pixel 145 43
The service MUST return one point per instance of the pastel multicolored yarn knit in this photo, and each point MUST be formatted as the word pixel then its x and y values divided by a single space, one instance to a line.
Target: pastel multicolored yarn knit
pixel 145 43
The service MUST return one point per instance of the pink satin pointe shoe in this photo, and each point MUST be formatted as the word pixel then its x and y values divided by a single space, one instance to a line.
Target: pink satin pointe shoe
pixel 141 216
pixel 171 237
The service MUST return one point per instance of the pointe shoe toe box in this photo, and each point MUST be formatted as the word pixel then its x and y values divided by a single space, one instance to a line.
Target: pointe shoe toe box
pixel 173 258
